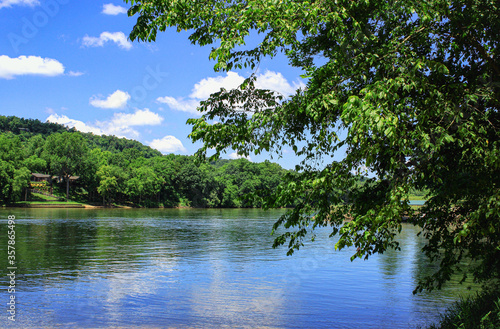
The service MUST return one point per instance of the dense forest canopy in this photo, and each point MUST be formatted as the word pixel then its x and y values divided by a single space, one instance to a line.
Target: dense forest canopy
pixel 114 170
pixel 415 86
pixel 27 128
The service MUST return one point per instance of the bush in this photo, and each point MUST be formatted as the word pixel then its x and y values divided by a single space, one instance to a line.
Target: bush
pixel 479 312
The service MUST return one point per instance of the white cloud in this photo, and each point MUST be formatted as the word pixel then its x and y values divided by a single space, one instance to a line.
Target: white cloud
pixel 139 118
pixel 119 125
pixel 75 73
pixel 276 81
pixel 180 104
pixel 78 125
pixel 117 37
pixel 29 65
pixel 235 156
pixel 111 9
pixel 204 88
pixel 168 144
pixel 9 3
pixel 116 100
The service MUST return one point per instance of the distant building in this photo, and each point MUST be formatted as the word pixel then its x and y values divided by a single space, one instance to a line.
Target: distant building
pixel 35 177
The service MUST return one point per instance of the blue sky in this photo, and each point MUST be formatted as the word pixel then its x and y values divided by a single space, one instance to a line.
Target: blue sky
pixel 71 62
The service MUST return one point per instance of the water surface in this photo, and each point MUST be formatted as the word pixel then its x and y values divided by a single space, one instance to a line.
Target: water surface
pixel 182 268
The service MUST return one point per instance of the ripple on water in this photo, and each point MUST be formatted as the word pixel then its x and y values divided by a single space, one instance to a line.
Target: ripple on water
pixel 207 269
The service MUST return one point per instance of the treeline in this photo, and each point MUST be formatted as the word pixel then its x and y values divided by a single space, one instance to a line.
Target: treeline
pixel 115 170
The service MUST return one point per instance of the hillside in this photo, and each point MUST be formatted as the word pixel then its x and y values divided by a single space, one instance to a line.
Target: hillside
pixel 109 170
pixel 27 128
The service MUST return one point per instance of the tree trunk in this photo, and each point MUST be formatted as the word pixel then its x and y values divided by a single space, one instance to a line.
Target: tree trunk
pixel 67 188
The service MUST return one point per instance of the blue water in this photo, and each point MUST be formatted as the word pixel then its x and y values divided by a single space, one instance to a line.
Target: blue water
pixel 204 269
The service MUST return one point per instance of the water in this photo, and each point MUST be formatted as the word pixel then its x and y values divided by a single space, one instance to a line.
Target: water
pixel 80 268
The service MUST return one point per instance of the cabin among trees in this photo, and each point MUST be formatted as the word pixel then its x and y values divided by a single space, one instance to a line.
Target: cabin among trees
pixel 43 183
pixel 35 177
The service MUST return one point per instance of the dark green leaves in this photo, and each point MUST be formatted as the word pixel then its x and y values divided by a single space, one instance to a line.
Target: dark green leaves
pixel 408 89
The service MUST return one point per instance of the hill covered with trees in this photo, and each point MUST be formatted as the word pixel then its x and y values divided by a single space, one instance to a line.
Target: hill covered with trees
pixel 110 170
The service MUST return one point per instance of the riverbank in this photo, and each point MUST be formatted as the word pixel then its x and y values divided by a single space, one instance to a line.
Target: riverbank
pixel 481 311
pixel 60 204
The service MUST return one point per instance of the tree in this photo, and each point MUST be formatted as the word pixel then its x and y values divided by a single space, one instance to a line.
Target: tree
pixel 34 146
pixel 166 168
pixel 14 176
pixel 65 153
pixel 35 164
pixel 95 160
pixel 20 183
pixel 193 183
pixel 144 183
pixel 409 88
pixel 111 181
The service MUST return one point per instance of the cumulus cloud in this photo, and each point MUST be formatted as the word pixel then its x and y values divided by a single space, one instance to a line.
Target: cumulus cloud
pixel 180 104
pixel 204 88
pixel 116 100
pixel 29 65
pixel 275 81
pixel 208 86
pixel 168 144
pixel 10 3
pixel 78 125
pixel 235 156
pixel 111 9
pixel 138 118
pixel 117 37
pixel 119 125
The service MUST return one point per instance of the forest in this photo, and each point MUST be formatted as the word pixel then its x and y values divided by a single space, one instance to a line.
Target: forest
pixel 106 170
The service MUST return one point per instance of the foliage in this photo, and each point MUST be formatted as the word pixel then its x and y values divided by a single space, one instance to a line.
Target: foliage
pixel 411 91
pixel 133 176
pixel 116 145
pixel 479 312
pixel 35 131
pixel 64 154
pixel 13 177
pixel 29 127
pixel 35 164
pixel 111 181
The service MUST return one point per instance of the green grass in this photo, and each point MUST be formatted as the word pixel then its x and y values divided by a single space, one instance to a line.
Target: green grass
pixel 416 197
pixel 479 312
pixel 43 197
pixel 49 202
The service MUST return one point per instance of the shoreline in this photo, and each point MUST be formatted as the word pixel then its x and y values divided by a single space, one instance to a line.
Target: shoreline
pixel 68 206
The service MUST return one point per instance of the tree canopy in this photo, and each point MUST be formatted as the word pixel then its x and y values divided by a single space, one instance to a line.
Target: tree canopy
pixel 64 152
pixel 119 171
pixel 409 88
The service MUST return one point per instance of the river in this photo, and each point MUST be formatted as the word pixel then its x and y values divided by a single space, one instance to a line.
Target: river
pixel 189 268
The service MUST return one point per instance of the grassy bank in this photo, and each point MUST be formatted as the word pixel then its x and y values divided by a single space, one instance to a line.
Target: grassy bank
pixel 46 202
pixel 478 312
pixel 42 197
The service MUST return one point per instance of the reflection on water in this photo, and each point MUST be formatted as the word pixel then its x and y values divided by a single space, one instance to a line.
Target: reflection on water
pixel 204 269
